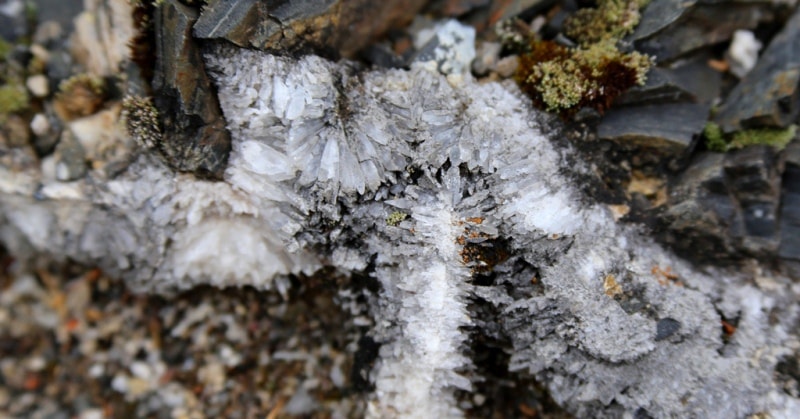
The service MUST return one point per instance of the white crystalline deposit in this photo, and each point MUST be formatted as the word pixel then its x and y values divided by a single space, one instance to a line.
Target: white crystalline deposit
pixel 742 54
pixel 447 47
pixel 424 187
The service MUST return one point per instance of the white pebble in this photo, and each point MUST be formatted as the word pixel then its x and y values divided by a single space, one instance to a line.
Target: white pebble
pixel 38 85
pixel 40 125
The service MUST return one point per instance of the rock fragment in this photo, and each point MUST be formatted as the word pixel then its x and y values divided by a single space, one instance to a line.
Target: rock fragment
pixel 697 27
pixel 194 135
pixel 70 158
pixel 657 15
pixel 332 27
pixel 661 86
pixel 768 95
pixel 789 248
pixel 743 202
pixel 668 128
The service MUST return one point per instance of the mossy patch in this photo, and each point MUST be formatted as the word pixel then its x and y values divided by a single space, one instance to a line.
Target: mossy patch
pixel 564 80
pixel 13 98
pixel 716 141
pixel 611 19
pixel 777 138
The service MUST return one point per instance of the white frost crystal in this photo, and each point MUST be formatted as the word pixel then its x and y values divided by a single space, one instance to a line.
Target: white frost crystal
pixel 324 153
pixel 742 54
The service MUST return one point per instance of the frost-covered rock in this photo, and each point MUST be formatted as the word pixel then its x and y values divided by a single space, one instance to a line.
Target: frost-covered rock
pixel 450 199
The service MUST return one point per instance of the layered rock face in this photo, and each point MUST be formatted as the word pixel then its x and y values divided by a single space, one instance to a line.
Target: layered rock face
pixel 460 209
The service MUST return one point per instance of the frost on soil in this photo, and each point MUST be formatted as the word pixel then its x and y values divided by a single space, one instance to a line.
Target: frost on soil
pixel 324 153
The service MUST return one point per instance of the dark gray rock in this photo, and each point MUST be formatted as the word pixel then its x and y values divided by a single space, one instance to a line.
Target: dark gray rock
pixel 658 15
pixel 661 87
pixel 667 128
pixel 703 25
pixel 70 158
pixel 790 208
pixel 742 203
pixel 700 214
pixel 695 76
pixel 194 135
pixel 330 27
pixel 245 22
pixel 768 95
pixel 754 182
pixel 666 327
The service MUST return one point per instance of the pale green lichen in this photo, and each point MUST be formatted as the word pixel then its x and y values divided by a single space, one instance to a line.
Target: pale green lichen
pixel 395 218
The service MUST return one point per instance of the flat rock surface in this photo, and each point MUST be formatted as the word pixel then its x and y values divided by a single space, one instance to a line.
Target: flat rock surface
pixel 669 128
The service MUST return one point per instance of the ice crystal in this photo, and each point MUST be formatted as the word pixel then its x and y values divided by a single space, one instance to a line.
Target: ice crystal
pixel 324 154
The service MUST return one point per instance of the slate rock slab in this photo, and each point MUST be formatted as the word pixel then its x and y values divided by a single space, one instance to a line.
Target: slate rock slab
pixel 669 128
pixel 768 95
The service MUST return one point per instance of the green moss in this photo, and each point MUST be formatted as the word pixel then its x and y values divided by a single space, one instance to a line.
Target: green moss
pixel 564 80
pixel 715 141
pixel 395 218
pixel 13 98
pixel 777 138
pixel 774 137
pixel 612 19
pixel 5 49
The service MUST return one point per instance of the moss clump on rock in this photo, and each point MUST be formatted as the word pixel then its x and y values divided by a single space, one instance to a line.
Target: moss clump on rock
pixel 564 80
pixel 611 19
pixel 775 137
pixel 717 141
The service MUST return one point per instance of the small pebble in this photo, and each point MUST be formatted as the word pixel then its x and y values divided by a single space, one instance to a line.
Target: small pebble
pixel 40 52
pixel 666 327
pixel 48 31
pixel 70 158
pixel 92 414
pixel 40 125
pixel 38 85
pixel 507 66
